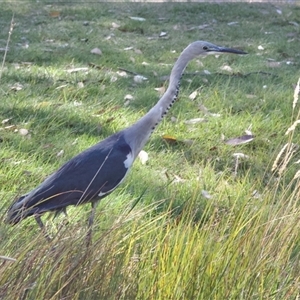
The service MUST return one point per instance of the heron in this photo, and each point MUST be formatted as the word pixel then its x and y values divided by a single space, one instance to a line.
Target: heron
pixel 96 172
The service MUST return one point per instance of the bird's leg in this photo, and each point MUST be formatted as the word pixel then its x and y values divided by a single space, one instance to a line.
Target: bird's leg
pixel 64 211
pixel 66 216
pixel 39 221
pixel 41 225
pixel 92 215
pixel 59 211
pixel 90 222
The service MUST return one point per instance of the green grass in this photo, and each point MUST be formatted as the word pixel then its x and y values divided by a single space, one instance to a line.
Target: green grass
pixel 157 236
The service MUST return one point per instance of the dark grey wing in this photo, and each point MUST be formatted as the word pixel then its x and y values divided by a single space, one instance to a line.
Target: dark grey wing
pixel 91 174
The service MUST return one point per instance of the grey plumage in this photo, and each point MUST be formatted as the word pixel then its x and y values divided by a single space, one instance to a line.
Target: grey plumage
pixel 97 171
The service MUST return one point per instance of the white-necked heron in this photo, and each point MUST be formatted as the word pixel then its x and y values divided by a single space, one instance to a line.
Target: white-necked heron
pixel 97 171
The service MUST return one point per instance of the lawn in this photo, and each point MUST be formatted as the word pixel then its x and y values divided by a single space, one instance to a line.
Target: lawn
pixel 213 212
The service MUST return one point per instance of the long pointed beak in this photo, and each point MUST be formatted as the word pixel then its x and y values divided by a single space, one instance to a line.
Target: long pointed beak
pixel 230 50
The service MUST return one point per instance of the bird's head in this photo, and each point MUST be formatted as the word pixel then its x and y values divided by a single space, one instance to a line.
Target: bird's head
pixel 204 48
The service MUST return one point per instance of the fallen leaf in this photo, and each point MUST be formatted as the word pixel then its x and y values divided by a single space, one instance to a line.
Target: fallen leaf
pixel 160 90
pixel 6 121
pixel 195 121
pixel 248 131
pixel 232 23
pixel 203 26
pixel 128 97
pixel 240 140
pixel 138 19
pixel 54 14
pixel 75 142
pixel 193 95
pixel 109 37
pixel 10 127
pixel 294 23
pixel 206 194
pixel 96 51
pixel 256 194
pixel 139 78
pixel 162 34
pixel 73 70
pixel 115 25
pixel 172 140
pixel 17 87
pixel 178 179
pixel 226 68
pixel 143 156
pixel 77 103
pixel 80 84
pixel 169 139
pixel 61 86
pixel 122 73
pixel 240 155
pixel 23 131
pixel 19 162
pixel 113 78
pixel 214 115
pixel 60 153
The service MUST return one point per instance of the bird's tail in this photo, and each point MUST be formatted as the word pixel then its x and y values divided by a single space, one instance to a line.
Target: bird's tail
pixel 17 211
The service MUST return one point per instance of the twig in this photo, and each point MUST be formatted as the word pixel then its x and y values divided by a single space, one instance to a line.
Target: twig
pixel 7 258
pixel 7 43
pixel 260 72
pixel 129 72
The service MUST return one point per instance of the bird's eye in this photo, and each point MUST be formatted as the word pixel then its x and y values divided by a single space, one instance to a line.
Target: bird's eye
pixel 205 48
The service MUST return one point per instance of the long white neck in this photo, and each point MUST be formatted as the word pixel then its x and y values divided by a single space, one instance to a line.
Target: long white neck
pixel 138 134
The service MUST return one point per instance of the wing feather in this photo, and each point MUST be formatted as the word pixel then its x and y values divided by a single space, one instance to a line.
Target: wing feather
pixel 99 169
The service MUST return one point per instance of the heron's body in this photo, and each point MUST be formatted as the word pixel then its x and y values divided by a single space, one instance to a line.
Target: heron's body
pixel 96 172
pixel 86 177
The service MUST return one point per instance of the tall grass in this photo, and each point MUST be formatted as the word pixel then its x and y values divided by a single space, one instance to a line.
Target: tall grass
pixel 249 251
